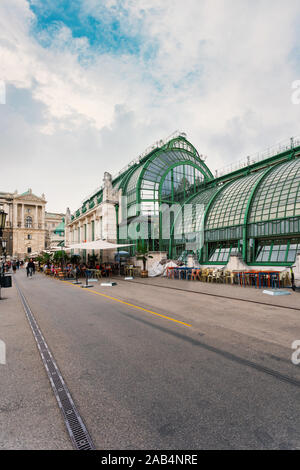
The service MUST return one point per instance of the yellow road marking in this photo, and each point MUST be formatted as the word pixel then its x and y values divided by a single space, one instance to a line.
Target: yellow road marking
pixel 132 305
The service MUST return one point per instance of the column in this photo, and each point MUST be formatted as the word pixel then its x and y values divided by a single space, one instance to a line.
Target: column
pixel 95 229
pixel 43 216
pixel 15 215
pixel 36 225
pixel 22 217
pixel 88 231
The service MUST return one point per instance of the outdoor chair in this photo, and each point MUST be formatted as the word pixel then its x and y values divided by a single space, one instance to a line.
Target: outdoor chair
pixel 176 273
pixel 210 276
pixel 196 273
pixel 98 274
pixel 229 277
pixel 285 280
pixel 188 274
pixel 219 276
pixel 204 275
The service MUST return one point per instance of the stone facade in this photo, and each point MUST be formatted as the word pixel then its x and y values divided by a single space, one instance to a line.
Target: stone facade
pixel 96 223
pixel 25 229
pixel 52 221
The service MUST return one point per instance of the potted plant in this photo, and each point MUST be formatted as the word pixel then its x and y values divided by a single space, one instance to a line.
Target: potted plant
pixel 143 255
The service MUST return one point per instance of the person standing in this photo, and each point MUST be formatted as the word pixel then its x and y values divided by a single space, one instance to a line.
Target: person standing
pixel 30 268
pixel 293 280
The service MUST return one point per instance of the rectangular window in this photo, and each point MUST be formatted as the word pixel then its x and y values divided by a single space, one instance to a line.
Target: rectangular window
pixel 276 252
pixel 220 255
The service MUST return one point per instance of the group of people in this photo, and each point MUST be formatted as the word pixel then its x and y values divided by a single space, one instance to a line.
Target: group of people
pixel 14 265
pixel 79 270
pixel 71 270
pixel 30 268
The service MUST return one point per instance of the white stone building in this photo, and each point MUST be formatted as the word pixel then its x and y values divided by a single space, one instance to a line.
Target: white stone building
pixel 25 229
pixel 97 219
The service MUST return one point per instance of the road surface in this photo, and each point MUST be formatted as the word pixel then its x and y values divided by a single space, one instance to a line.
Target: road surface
pixel 151 368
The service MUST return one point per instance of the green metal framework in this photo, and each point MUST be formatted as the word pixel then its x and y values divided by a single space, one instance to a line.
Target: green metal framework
pixel 170 173
pixel 256 212
pixel 255 209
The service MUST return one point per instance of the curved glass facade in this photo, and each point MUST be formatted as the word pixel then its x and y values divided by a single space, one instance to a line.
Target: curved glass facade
pixel 230 206
pixel 279 196
pixel 254 210
pixel 256 213
pixel 193 217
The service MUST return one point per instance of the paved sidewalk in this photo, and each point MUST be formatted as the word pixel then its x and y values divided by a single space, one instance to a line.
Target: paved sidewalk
pixel 227 290
pixel 29 415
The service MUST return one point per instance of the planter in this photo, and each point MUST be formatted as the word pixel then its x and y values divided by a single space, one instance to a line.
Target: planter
pixel 144 273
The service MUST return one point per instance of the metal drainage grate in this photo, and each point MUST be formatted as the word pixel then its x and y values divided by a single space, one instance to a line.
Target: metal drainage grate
pixel 80 437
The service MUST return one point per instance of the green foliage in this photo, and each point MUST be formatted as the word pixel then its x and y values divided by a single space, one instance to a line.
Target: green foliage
pixel 93 259
pixel 45 258
pixel 75 259
pixel 60 257
pixel 143 254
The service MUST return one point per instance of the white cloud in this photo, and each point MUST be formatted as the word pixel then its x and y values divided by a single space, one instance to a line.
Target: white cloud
pixel 221 70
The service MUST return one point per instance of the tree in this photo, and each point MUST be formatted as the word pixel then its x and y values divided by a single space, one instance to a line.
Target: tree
pixel 143 255
pixel 60 257
pixel 75 259
pixel 93 259
pixel 45 258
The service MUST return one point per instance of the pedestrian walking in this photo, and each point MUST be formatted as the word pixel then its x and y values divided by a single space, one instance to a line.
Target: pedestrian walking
pixel 26 267
pixel 30 268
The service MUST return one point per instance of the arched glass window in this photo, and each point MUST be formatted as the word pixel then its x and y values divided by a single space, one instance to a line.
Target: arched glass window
pixel 28 222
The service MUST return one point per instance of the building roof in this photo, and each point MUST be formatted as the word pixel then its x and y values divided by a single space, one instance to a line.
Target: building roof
pixel 60 228
pixel 54 215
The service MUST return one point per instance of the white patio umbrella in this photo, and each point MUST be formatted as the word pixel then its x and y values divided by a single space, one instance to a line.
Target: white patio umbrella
pixel 96 245
pixel 58 248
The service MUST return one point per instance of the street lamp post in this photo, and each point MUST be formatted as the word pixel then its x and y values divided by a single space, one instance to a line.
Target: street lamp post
pixel 2 222
pixel 3 245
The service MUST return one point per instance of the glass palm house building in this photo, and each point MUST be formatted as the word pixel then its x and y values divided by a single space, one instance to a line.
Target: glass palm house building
pixel 253 209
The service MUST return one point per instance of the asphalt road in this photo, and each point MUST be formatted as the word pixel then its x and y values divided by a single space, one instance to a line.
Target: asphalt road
pixel 143 381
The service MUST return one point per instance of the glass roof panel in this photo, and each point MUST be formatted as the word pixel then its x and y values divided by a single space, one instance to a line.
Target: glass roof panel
pixel 193 215
pixel 278 196
pixel 230 206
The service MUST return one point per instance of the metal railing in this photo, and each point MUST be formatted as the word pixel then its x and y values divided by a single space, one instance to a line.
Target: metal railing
pixel 158 144
pixel 276 149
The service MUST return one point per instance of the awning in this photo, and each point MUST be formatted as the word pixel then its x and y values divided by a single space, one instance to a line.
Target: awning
pixel 96 245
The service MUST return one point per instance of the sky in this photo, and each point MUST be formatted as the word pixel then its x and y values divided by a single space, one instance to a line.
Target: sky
pixel 90 84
